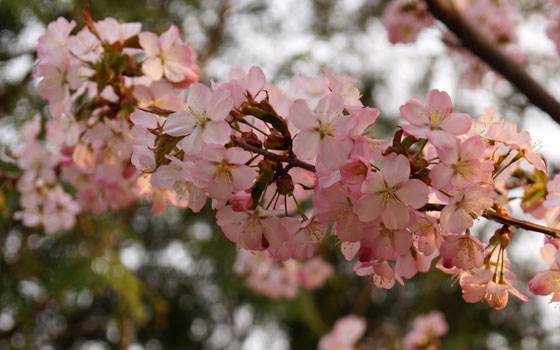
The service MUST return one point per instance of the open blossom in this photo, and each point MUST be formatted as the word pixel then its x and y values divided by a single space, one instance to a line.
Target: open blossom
pixel 222 172
pixel 345 334
pixel 462 165
pixel 176 177
pixel 462 251
pixel 434 119
pixel 203 122
pixel 390 193
pixel 167 56
pixel 485 283
pixel 548 281
pixel 426 231
pixel 332 203
pixel 381 272
pixel 385 243
pixel 85 46
pixel 253 230
pixel 55 38
pixel 304 236
pixel 323 133
pixel 467 205
pixel 59 73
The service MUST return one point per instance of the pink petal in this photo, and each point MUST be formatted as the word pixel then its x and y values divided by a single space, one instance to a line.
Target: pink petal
pixel 413 112
pixel 302 117
pixel 395 215
pixel 152 68
pixel 216 132
pixel 179 124
pixel 306 145
pixel 441 139
pixel 457 123
pixel 149 42
pixel 395 169
pixel 414 193
pixel 369 207
pixel 441 176
pixel 168 38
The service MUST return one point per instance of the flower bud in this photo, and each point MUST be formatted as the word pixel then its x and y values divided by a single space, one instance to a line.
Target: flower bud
pixel 284 184
pixel 251 139
pixel 275 141
pixel 354 170
pixel 241 201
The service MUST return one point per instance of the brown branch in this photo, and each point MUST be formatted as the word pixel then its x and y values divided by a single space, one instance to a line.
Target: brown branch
pixel 506 220
pixel 488 52
pixel 292 160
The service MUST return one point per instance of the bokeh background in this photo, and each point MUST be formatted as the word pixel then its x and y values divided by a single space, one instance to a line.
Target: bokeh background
pixel 132 280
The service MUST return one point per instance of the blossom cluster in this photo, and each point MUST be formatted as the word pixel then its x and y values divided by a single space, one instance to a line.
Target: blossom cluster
pixel 92 80
pixel 282 166
pixel 268 276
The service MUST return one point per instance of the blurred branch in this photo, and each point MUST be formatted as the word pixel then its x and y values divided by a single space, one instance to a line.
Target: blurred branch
pixel 488 52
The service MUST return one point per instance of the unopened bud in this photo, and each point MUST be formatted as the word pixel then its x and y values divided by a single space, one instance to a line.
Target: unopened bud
pixel 284 184
pixel 241 201
pixel 275 141
pixel 251 139
pixel 354 170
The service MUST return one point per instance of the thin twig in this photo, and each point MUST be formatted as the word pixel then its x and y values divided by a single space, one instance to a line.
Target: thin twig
pixel 506 220
pixel 488 51
pixel 292 160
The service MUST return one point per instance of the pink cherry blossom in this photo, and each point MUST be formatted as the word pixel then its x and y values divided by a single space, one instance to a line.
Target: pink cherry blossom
pixel 382 273
pixel 390 194
pixel 332 203
pixel 54 40
pixel 85 46
pixel 223 171
pixel 167 56
pixel 253 230
pixel 323 133
pixel 304 236
pixel 462 251
pixel 467 205
pixel 548 281
pixel 203 123
pixel 462 165
pixel 434 119
pixel 482 284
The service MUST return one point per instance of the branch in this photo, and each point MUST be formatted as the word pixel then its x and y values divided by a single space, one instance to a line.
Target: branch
pixel 506 220
pixel 488 52
pixel 292 160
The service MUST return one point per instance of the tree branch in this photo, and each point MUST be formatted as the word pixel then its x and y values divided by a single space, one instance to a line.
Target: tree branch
pixel 292 160
pixel 488 52
pixel 502 219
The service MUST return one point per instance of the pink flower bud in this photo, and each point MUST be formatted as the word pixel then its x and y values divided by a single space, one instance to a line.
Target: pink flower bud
pixel 241 201
pixel 354 170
